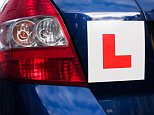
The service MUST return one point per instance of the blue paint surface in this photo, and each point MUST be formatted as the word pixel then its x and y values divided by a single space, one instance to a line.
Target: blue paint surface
pixel 148 8
pixel 60 100
pixel 124 98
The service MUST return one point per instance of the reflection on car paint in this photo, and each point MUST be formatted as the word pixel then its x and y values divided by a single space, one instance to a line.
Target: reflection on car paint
pixel 129 105
pixel 148 8
pixel 60 100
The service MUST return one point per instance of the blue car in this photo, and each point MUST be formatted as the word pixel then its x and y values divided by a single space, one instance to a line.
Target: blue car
pixel 77 57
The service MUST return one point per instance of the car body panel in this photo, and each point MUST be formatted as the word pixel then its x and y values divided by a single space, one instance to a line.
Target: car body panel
pixel 148 8
pixel 32 99
pixel 76 15
pixel 140 104
pixel 115 98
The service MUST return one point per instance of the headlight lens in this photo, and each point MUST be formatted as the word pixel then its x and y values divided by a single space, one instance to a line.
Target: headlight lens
pixel 23 33
pixel 49 32
pixel 32 32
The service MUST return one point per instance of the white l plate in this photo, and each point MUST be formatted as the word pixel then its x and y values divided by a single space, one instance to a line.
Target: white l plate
pixel 123 60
